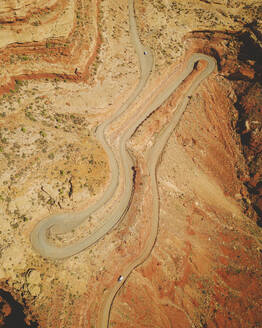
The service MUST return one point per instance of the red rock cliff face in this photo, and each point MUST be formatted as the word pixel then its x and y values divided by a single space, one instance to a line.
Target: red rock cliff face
pixel 205 269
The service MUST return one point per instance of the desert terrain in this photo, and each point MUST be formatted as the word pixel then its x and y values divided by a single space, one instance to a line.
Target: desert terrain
pixel 130 163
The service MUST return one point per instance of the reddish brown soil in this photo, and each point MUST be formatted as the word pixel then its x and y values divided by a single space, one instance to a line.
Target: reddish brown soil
pixel 205 269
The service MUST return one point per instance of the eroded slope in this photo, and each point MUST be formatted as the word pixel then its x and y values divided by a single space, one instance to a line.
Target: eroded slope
pixel 209 245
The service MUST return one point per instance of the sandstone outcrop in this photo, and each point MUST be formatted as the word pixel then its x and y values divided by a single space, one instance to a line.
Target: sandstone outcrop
pixel 67 66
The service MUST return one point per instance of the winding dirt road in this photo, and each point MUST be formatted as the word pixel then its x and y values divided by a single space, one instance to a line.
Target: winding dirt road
pixel 152 159
pixel 65 222
pixel 68 221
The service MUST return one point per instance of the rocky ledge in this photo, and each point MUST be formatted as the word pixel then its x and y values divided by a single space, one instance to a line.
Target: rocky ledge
pixel 66 67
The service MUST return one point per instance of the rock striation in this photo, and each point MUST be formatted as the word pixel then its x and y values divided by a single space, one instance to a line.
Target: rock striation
pixel 67 66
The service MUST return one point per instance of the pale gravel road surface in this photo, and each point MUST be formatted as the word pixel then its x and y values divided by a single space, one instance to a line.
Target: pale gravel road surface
pixel 68 221
pixel 65 222
pixel 152 159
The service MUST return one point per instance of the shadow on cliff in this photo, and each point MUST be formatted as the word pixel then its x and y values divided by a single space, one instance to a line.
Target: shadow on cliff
pixel 250 53
pixel 16 319
pixel 239 60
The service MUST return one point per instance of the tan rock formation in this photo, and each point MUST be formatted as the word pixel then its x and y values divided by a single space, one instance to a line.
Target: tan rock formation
pixel 66 67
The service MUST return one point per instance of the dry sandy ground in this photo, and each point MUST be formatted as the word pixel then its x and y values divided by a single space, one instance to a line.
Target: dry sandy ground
pixel 209 245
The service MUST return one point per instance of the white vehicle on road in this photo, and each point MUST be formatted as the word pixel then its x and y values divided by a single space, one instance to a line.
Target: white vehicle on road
pixel 120 278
